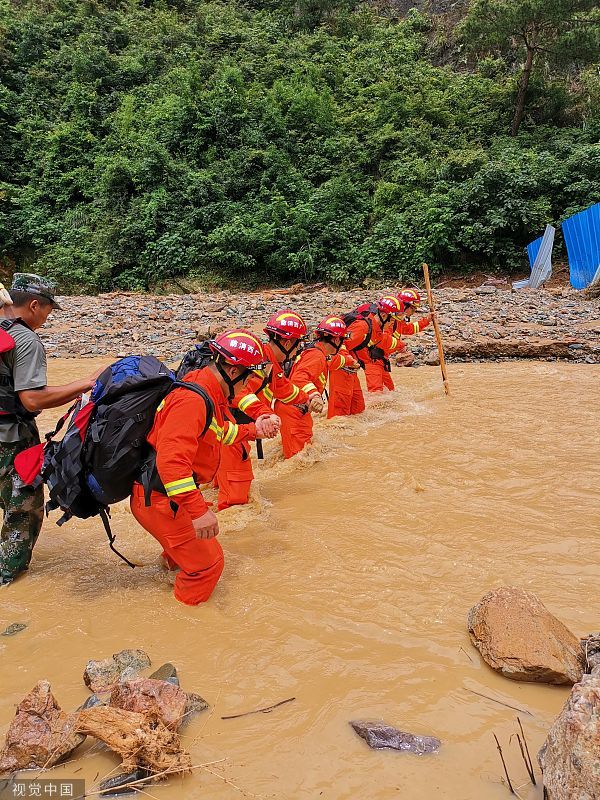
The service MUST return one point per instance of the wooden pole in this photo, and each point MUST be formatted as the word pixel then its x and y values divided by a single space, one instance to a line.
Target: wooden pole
pixel 436 328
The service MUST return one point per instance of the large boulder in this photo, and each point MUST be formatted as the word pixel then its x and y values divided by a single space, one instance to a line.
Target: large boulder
pixel 518 637
pixel 101 675
pixel 570 756
pixel 154 698
pixel 40 735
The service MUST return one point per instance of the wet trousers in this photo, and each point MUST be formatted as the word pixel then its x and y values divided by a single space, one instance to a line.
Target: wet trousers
pixel 296 428
pixel 200 561
pixel 377 377
pixel 234 476
pixel 345 394
pixel 23 509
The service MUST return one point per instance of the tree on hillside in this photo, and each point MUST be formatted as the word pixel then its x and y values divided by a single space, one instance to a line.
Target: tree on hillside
pixel 558 32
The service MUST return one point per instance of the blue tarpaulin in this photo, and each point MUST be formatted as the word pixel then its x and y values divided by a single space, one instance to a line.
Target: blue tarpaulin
pixel 533 249
pixel 582 237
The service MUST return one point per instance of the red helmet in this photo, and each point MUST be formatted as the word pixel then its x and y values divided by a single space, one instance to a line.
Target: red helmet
pixel 410 297
pixel 286 324
pixel 332 326
pixel 390 305
pixel 239 347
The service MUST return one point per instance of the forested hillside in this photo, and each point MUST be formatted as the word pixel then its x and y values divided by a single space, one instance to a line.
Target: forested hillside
pixel 270 141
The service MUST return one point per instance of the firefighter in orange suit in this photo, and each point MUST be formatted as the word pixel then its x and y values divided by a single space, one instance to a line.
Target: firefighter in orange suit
pixel 309 375
pixel 377 362
pixel 188 434
pixel 411 300
pixel 345 392
pixel 285 330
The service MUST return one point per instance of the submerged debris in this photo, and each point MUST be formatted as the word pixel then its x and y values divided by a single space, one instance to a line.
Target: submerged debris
pixel 384 737
pixel 120 785
pixel 194 705
pixel 16 627
pixel 41 734
pixel 167 672
pixel 126 664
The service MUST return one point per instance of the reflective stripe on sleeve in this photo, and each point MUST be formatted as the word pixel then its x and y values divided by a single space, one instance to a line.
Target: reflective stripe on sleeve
pixel 247 400
pixel 180 486
pixel 416 327
pixel 216 429
pixel 309 387
pixel 268 394
pixel 231 434
pixel 294 394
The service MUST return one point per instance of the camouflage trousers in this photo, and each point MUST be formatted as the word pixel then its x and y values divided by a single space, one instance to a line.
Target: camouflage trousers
pixel 23 513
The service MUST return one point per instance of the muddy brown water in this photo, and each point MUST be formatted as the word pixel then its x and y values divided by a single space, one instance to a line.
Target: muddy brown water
pixel 347 584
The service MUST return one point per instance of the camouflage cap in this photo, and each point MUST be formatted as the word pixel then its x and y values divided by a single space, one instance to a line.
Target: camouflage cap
pixel 35 284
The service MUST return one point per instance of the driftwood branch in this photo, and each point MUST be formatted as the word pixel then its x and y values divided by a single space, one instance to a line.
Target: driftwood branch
pixel 500 702
pixel 264 710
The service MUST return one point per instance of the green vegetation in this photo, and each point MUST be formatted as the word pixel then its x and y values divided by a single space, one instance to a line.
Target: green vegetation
pixel 143 140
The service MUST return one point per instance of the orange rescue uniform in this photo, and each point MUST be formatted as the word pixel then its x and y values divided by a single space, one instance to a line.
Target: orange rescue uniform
pixel 309 375
pixel 345 392
pixel 378 376
pixel 381 336
pixel 185 459
pixel 235 475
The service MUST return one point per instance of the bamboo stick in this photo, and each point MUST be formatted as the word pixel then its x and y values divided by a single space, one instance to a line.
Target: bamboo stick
pixel 436 328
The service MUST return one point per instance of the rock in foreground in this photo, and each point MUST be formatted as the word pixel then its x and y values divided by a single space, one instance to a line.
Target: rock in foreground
pixel 570 756
pixel 155 698
pixel 101 675
pixel 41 734
pixel 141 742
pixel 384 737
pixel 518 637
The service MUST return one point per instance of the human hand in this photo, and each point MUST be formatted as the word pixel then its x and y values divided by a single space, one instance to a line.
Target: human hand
pixel 315 404
pixel 267 426
pixel 206 526
pixel 95 375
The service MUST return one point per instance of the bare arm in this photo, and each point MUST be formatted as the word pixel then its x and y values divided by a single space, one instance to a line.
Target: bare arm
pixel 53 396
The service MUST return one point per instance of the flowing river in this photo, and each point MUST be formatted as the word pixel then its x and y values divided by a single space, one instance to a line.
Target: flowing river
pixel 346 585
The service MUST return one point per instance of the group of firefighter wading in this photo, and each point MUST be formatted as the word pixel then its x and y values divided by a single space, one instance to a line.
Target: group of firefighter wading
pixel 162 437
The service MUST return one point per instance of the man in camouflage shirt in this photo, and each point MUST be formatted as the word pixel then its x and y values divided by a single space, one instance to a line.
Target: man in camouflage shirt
pixel 24 393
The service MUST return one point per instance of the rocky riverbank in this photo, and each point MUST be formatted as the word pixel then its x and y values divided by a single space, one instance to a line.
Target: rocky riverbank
pixel 488 322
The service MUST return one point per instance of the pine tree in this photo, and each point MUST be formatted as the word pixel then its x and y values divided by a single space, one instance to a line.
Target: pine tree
pixel 554 31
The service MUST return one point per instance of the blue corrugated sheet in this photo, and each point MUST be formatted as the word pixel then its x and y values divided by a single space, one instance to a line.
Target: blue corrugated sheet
pixel 582 237
pixel 533 249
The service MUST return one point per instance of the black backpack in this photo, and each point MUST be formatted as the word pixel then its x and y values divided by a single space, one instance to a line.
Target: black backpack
pixel 198 357
pixel 103 451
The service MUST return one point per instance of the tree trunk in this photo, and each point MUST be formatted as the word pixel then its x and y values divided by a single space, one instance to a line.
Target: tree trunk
pixel 523 84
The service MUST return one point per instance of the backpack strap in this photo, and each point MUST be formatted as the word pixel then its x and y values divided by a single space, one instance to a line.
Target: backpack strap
pixel 194 387
pixel 105 517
